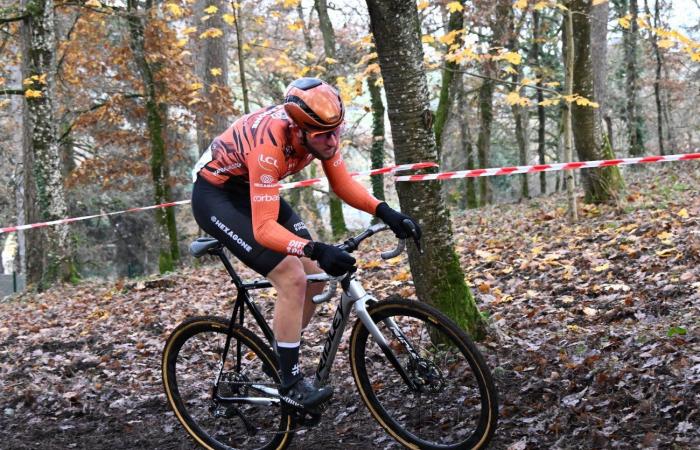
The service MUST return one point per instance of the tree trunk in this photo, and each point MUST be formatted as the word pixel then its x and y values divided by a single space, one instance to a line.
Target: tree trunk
pixel 437 274
pixel 568 54
pixel 338 226
pixel 499 23
pixel 483 143
pixel 456 22
pixel 468 200
pixel 241 59
pixel 520 114
pixel 541 117
pixel 156 117
pixel 307 36
pixel 48 249
pixel 603 184
pixel 657 80
pixel 377 151
pixel 213 55
pixel 633 116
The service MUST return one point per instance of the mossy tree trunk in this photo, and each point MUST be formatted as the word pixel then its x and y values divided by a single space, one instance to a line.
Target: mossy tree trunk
pixel 437 275
pixel 156 122
pixel 48 249
pixel 602 184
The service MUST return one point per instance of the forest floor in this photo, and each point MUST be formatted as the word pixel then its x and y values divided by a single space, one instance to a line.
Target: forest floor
pixel 593 333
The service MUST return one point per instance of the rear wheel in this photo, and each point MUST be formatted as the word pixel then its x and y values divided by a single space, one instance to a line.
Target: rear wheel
pixel 449 400
pixel 247 414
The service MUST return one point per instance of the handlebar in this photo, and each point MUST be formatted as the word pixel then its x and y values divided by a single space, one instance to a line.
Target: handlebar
pixel 350 245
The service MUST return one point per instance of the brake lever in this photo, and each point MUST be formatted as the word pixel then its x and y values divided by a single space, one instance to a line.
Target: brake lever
pixel 414 234
pixel 418 246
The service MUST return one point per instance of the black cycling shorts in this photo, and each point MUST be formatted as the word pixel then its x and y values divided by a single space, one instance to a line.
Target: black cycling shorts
pixel 225 214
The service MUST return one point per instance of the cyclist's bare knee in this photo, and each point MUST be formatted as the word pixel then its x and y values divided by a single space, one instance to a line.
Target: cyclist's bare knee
pixel 289 277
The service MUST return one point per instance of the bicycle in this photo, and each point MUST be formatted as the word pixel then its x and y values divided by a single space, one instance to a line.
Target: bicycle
pixel 417 372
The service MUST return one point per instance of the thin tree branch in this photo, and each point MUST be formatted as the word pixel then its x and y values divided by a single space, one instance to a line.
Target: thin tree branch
pixel 498 80
pixel 11 91
pixel 13 18
pixel 91 108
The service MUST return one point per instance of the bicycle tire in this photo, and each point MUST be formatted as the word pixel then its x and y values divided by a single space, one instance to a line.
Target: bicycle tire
pixel 188 375
pixel 459 417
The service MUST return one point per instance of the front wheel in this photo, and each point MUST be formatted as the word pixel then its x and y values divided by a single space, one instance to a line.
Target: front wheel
pixel 238 409
pixel 444 396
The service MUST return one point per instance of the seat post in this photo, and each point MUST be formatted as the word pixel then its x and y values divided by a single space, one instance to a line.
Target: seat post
pixel 229 268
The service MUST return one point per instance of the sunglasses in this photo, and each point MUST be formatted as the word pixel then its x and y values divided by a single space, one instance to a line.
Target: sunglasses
pixel 325 134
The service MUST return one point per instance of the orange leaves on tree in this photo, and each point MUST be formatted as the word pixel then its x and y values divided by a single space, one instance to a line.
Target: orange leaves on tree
pixel 296 26
pixel 514 98
pixel 450 37
pixel 211 33
pixel 230 19
pixel 512 57
pixel 31 93
pixel 212 9
pixel 174 10
pixel 422 5
pixel 454 7
pixel 520 4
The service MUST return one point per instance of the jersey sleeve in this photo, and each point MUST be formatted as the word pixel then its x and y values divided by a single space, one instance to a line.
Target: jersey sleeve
pixel 345 186
pixel 265 165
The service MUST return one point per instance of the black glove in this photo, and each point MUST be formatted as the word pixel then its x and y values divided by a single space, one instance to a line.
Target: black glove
pixel 395 220
pixel 332 260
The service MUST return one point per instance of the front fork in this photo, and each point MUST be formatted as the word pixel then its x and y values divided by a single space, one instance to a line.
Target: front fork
pixel 356 290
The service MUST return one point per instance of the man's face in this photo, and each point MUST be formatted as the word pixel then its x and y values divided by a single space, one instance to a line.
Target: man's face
pixel 323 145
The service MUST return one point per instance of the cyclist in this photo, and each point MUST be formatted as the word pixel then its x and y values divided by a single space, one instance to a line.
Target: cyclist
pixel 236 200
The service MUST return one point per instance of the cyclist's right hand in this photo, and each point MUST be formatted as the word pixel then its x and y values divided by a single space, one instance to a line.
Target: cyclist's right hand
pixel 332 260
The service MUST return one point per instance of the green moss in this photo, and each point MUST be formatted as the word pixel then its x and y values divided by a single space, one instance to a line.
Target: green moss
pixel 165 262
pixel 338 226
pixel 456 300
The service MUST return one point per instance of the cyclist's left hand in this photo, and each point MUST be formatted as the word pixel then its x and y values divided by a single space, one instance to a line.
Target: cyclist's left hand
pixel 402 225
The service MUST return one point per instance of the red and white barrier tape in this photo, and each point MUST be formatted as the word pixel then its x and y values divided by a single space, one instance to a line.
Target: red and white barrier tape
pixel 76 219
pixel 383 170
pixel 546 167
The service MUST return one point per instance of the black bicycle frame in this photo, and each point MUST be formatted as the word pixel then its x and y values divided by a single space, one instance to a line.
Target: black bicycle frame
pixel 334 335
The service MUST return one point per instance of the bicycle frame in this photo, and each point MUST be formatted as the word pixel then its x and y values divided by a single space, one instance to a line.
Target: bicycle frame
pixel 353 297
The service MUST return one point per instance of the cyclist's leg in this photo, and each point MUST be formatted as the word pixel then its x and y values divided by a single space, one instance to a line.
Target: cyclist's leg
pixel 291 221
pixel 310 267
pixel 226 215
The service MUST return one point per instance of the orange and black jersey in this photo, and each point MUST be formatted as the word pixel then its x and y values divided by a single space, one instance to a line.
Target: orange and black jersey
pixel 259 149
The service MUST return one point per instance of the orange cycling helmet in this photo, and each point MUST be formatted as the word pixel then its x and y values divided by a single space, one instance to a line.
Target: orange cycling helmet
pixel 314 105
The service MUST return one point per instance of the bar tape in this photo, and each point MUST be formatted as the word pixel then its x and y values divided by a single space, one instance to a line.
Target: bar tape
pixel 546 167
pixel 383 170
